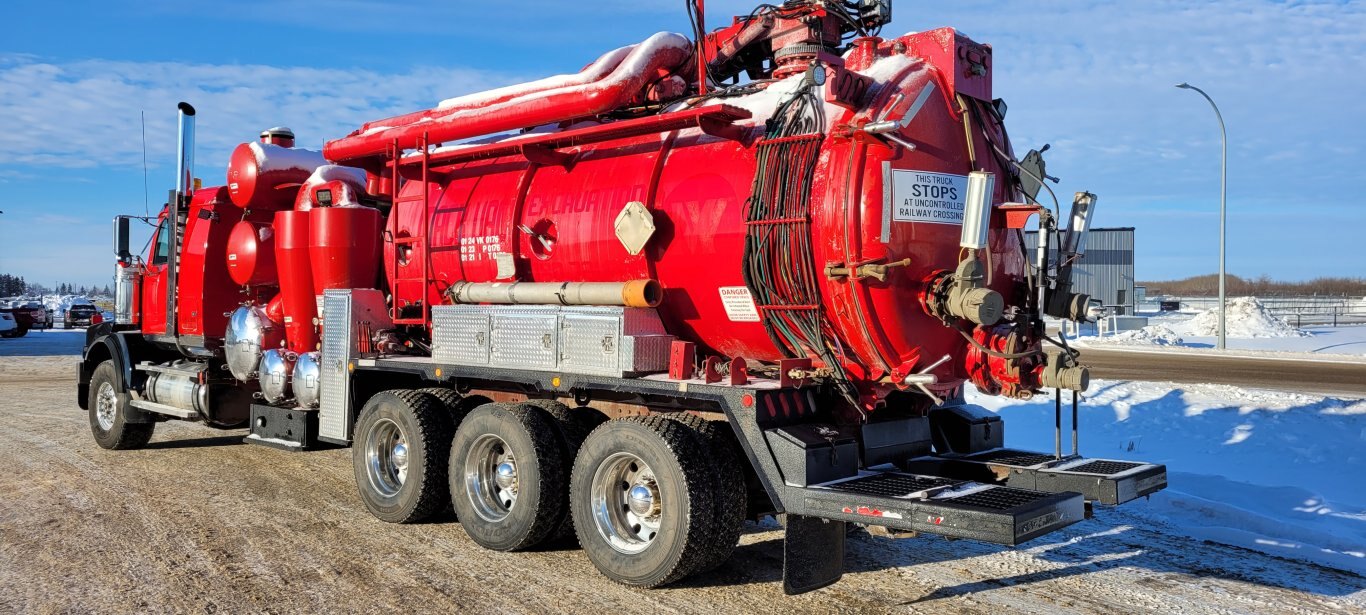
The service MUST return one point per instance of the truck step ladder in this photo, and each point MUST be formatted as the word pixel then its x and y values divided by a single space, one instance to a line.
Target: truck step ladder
pixel 1104 481
pixel 945 506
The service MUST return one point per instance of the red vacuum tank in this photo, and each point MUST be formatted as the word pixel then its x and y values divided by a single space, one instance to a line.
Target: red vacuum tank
pixel 889 214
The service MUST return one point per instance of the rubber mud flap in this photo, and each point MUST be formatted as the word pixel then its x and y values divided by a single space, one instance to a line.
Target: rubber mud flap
pixel 813 554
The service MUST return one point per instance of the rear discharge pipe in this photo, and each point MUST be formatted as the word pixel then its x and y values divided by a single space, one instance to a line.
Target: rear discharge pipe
pixel 635 293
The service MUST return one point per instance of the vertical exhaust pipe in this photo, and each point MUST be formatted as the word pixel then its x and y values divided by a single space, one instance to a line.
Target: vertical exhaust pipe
pixel 180 199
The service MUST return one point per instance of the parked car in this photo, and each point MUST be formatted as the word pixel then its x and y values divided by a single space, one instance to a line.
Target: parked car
pixel 8 326
pixel 30 315
pixel 80 315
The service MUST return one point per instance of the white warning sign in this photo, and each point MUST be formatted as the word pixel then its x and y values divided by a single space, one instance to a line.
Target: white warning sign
pixel 739 304
pixel 922 196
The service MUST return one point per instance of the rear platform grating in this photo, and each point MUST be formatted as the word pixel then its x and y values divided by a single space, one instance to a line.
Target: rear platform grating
pixel 1008 457
pixel 1105 466
pixel 940 505
pixel 1000 498
pixel 892 485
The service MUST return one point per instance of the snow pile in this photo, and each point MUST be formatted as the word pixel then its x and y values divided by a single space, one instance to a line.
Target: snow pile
pixel 1275 472
pixel 1151 335
pixel 271 158
pixel 1246 317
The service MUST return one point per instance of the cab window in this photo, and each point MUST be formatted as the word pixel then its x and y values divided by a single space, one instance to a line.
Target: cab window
pixel 163 248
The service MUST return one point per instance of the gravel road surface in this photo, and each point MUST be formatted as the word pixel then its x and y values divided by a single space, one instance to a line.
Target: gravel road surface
pixel 199 522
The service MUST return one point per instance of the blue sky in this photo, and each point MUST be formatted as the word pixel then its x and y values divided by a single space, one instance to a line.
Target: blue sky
pixel 1092 78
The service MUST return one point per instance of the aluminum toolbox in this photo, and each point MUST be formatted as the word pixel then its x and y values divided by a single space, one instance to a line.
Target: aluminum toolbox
pixel 607 341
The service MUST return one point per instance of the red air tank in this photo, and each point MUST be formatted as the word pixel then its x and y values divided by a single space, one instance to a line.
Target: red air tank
pixel 251 253
pixel 267 175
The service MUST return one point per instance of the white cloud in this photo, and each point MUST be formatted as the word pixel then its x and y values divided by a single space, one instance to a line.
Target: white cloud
pixel 87 114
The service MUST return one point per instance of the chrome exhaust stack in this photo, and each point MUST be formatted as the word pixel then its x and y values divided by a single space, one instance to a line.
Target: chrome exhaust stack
pixel 180 198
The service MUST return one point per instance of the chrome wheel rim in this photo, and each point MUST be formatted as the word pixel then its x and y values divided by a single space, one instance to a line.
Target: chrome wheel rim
pixel 386 452
pixel 627 508
pixel 491 478
pixel 106 405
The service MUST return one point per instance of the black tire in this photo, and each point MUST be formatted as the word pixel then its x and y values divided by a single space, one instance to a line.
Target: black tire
pixel 676 456
pixel 574 426
pixel 425 428
pixel 117 433
pixel 731 500
pixel 530 436
pixel 20 332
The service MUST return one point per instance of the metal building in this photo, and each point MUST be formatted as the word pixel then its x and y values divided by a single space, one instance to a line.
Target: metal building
pixel 1107 270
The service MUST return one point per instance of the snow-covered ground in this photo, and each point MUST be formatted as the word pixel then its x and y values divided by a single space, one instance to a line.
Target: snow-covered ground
pixel 1281 473
pixel 1250 326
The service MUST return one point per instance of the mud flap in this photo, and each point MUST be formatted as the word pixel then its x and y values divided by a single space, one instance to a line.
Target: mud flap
pixel 813 553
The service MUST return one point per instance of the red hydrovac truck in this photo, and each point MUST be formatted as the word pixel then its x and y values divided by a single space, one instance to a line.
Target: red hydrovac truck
pixel 701 281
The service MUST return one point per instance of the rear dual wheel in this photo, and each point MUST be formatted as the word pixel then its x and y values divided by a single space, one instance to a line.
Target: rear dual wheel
pixel 509 467
pixel 642 499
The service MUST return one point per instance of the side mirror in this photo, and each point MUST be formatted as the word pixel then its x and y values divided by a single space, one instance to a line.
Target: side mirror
pixel 121 239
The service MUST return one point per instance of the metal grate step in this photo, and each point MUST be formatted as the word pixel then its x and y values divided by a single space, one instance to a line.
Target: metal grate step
pixel 1106 481
pixel 1009 457
pixel 940 505
pixel 1105 466
pixel 893 485
pixel 1001 498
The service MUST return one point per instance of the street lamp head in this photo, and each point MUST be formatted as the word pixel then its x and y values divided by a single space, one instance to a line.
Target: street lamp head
pixel 1183 85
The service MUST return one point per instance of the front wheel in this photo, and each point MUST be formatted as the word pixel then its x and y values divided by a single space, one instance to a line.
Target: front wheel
pixel 109 412
pixel 642 500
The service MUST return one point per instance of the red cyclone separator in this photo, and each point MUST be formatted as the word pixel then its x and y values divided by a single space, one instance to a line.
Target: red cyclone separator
pixel 344 247
pixel 299 304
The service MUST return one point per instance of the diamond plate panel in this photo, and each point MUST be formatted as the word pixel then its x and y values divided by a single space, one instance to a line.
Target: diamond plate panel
pixel 590 343
pixel 524 338
pixel 334 407
pixel 460 336
pixel 645 353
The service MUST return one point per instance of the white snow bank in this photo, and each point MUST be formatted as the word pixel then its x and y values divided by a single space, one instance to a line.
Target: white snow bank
pixel 1151 335
pixel 1246 317
pixel 1281 473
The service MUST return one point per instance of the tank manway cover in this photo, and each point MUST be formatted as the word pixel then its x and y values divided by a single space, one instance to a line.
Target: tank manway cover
pixel 634 225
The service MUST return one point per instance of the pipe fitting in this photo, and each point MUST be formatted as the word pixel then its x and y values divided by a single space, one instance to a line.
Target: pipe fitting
pixel 982 306
pixel 1059 373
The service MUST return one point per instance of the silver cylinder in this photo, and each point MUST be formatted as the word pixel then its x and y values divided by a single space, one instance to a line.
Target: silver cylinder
pixel 126 279
pixel 181 391
pixel 250 332
pixel 307 380
pixel 276 368
pixel 636 293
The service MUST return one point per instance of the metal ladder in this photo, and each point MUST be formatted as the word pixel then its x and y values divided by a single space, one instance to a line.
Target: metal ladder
pixel 416 242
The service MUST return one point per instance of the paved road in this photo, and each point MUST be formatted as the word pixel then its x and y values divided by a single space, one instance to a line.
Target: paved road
pixel 1301 374
pixel 199 522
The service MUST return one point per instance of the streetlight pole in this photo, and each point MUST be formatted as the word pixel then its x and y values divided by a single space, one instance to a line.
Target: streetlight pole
pixel 1223 207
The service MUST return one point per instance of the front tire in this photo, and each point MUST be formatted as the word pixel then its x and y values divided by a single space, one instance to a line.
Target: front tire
pixel 642 499
pixel 400 456
pixel 509 480
pixel 109 410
